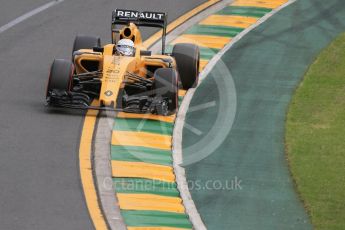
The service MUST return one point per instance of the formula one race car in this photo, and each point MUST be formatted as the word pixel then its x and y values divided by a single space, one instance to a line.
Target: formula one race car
pixel 124 76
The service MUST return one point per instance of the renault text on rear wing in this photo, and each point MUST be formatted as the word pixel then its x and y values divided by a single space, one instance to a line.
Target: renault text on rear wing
pixel 154 19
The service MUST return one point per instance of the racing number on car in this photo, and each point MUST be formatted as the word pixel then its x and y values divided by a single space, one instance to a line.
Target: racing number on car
pixel 112 74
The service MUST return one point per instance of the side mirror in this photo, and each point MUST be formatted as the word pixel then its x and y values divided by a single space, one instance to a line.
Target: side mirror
pixel 145 53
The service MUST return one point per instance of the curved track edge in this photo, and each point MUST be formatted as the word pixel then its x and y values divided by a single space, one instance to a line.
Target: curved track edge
pixel 180 120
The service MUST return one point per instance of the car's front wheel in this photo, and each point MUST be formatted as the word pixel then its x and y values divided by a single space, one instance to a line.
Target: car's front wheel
pixel 61 76
pixel 187 58
pixel 166 87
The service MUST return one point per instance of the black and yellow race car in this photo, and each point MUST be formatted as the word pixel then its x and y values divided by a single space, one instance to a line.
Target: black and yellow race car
pixel 124 75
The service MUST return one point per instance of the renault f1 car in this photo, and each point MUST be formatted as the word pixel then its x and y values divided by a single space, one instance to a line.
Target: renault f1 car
pixel 140 83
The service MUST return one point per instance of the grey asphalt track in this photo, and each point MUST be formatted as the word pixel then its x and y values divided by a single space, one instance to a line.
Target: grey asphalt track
pixel 39 175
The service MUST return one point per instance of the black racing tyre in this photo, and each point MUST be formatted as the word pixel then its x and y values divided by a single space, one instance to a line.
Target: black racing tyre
pixel 85 42
pixel 187 58
pixel 61 76
pixel 166 86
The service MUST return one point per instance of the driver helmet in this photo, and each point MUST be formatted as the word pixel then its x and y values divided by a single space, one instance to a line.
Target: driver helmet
pixel 125 47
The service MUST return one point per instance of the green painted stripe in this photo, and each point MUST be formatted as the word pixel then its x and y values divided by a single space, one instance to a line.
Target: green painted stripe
pixel 169 48
pixel 156 219
pixel 141 154
pixel 223 31
pixel 207 53
pixel 141 125
pixel 180 99
pixel 244 11
pixel 145 186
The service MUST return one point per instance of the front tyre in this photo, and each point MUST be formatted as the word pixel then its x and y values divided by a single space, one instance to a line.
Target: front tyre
pixel 61 77
pixel 166 87
pixel 187 58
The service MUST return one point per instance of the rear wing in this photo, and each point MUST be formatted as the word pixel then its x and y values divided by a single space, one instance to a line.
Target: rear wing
pixel 144 19
pixel 149 19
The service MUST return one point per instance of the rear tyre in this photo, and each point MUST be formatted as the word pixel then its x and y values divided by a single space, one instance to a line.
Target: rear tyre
pixel 85 42
pixel 187 58
pixel 166 86
pixel 61 76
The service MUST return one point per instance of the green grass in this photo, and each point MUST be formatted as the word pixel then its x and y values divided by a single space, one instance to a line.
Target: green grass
pixel 315 138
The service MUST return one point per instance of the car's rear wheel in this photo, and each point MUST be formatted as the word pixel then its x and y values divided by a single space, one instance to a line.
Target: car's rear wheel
pixel 187 58
pixel 85 42
pixel 61 76
pixel 166 86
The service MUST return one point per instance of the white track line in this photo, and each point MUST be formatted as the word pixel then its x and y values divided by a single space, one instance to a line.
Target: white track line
pixel 28 15
pixel 181 179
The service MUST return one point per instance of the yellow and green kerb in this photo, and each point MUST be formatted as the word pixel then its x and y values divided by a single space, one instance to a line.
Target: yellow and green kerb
pixel 141 152
pixel 217 30
pixel 143 174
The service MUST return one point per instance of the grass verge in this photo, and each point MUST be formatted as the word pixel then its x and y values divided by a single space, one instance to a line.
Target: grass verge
pixel 315 138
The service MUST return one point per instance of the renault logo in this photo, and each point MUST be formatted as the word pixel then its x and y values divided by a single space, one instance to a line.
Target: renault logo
pixel 108 93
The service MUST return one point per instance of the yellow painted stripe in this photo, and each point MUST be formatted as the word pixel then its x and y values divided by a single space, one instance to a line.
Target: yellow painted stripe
pixel 85 165
pixel 182 93
pixel 203 63
pixel 150 202
pixel 154 38
pixel 154 228
pixel 260 3
pixel 149 140
pixel 86 170
pixel 229 20
pixel 203 40
pixel 142 170
pixel 147 116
